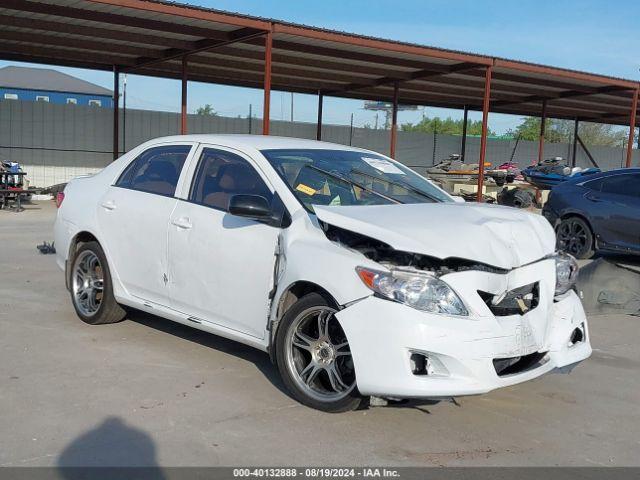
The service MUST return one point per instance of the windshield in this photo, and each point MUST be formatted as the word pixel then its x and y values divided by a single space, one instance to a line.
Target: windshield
pixel 342 177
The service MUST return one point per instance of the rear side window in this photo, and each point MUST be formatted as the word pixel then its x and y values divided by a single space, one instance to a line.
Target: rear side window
pixel 156 170
pixel 220 175
pixel 625 184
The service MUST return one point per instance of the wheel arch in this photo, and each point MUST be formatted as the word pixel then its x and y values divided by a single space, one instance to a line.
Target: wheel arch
pixel 287 298
pixel 587 221
pixel 79 239
pixel 581 216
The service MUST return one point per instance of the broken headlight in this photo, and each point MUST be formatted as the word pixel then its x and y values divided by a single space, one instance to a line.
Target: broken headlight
pixel 417 289
pixel 566 272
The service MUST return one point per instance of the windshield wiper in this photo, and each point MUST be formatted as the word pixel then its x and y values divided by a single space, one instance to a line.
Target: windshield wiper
pixel 352 182
pixel 406 186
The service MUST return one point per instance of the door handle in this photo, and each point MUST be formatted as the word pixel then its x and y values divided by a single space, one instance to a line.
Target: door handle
pixel 183 222
pixel 109 205
pixel 595 198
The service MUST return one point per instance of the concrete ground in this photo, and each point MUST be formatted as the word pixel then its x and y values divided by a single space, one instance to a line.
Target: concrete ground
pixel 150 392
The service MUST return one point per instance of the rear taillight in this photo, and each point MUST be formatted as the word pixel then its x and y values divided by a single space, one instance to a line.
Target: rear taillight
pixel 59 199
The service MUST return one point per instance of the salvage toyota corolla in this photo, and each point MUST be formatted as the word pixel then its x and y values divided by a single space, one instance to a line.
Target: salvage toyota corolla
pixel 358 276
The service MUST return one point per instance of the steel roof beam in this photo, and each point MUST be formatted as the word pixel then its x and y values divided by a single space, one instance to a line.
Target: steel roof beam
pixel 333 52
pixel 541 82
pixel 565 94
pixel 92 32
pixel 236 36
pixel 417 75
pixel 111 18
pixel 57 54
pixel 57 41
pixel 357 69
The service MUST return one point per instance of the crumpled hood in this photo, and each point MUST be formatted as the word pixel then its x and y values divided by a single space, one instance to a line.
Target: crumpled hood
pixel 499 236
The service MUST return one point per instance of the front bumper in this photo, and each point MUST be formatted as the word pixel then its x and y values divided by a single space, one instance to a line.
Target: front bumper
pixel 383 335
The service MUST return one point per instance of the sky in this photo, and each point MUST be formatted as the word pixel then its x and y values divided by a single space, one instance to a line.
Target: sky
pixel 591 35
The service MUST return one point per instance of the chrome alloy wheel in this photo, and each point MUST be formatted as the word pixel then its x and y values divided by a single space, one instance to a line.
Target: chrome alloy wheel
pixel 87 283
pixel 318 355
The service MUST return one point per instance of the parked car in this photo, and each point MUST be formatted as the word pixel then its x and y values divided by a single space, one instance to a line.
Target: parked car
pixel 358 276
pixel 598 213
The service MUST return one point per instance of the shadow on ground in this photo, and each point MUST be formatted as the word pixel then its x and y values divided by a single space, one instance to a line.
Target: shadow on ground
pixel 113 444
pixel 260 359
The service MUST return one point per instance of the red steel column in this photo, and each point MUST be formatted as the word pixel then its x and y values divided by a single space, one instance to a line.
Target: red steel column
pixel 543 122
pixel 116 112
pixel 268 43
pixel 632 127
pixel 183 111
pixel 319 124
pixel 463 146
pixel 483 138
pixel 574 152
pixel 394 121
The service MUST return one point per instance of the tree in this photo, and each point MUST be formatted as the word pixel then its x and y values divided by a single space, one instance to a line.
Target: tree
pixel 207 110
pixel 447 126
pixel 557 131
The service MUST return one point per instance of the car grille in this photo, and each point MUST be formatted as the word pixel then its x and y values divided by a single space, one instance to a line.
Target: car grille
pixel 514 302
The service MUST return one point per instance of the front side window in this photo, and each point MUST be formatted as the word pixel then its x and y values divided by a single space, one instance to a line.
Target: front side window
pixel 95 103
pixel 344 177
pixel 42 98
pixel 156 170
pixel 220 175
pixel 72 101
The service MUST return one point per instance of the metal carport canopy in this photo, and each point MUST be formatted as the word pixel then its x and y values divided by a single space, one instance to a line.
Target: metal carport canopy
pixel 170 40
pixel 135 34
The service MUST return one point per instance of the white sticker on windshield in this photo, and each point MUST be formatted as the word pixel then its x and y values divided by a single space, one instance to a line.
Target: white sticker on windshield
pixel 383 165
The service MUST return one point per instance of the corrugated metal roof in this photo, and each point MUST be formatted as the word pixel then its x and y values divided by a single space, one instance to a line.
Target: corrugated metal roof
pixel 47 79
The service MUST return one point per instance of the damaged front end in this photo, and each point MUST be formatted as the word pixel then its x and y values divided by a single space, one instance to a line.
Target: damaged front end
pixel 385 254
pixel 454 326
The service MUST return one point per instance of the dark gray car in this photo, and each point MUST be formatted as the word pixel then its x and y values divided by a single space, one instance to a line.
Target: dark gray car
pixel 601 212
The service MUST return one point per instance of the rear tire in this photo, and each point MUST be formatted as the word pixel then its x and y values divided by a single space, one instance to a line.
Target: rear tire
pixel 574 236
pixel 313 356
pixel 91 288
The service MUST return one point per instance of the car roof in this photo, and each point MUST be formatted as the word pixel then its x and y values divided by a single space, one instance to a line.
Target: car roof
pixel 258 142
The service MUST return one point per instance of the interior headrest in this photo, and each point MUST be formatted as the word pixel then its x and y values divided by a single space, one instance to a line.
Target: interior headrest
pixel 237 176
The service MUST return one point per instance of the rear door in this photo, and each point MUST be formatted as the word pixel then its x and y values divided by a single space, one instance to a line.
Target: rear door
pixel 617 201
pixel 133 216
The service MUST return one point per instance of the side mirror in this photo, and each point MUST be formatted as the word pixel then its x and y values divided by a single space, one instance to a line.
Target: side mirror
pixel 255 207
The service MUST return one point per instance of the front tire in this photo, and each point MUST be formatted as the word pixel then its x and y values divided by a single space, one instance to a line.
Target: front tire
pixel 314 358
pixel 91 287
pixel 574 236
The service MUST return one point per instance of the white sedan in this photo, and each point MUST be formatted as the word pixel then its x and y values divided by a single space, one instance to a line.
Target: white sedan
pixel 358 276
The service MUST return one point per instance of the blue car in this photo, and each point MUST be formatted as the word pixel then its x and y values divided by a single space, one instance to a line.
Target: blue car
pixel 597 213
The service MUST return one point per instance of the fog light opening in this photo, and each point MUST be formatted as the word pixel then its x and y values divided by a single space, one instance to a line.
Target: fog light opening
pixel 577 336
pixel 424 364
pixel 419 364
